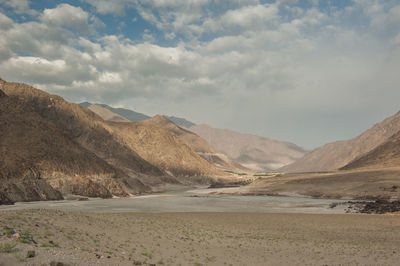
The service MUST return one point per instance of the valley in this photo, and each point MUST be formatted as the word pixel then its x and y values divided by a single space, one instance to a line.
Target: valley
pixel 199 133
pixel 86 185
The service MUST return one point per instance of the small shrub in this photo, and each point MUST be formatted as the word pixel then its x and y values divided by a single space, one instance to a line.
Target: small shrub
pixel 51 244
pixel 148 255
pixel 8 247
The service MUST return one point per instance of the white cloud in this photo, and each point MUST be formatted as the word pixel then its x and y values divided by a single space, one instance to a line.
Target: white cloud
pixel 108 77
pixel 5 22
pixel 19 6
pixel 250 16
pixel 65 15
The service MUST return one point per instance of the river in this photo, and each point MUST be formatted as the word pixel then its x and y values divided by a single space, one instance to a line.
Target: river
pixel 196 200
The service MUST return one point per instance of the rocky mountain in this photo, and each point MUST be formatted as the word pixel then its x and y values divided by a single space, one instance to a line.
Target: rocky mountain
pixel 51 147
pixel 197 144
pixel 335 155
pixel 386 155
pixel 34 153
pixel 258 153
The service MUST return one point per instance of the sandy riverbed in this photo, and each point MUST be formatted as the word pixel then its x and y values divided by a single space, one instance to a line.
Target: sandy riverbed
pixel 202 238
pixel 197 228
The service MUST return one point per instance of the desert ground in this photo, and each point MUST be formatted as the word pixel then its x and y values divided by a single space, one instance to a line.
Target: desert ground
pixel 202 227
pixel 81 238
pixel 352 184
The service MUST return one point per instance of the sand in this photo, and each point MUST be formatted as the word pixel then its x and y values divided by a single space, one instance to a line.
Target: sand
pixel 76 238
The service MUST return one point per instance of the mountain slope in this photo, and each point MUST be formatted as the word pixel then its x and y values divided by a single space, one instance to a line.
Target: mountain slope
pixel 182 122
pixel 385 155
pixel 337 154
pixel 200 146
pixel 126 113
pixel 106 114
pixel 157 144
pixel 34 153
pixel 132 115
pixel 258 153
pixel 113 146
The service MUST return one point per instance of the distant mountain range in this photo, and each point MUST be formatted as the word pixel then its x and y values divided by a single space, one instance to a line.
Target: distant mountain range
pixel 135 116
pixel 335 155
pixel 252 152
pixel 200 146
pixel 255 152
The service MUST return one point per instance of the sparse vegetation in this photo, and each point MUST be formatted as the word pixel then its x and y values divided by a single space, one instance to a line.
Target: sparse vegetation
pixel 235 173
pixel 8 247
pixel 148 255
pixel 50 244
pixel 262 174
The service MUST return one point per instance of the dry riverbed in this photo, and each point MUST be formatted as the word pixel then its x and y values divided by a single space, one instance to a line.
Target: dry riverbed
pixel 75 238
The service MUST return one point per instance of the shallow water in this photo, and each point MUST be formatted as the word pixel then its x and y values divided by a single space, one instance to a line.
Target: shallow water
pixel 197 200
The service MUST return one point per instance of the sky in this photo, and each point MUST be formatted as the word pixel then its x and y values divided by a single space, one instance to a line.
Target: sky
pixel 305 71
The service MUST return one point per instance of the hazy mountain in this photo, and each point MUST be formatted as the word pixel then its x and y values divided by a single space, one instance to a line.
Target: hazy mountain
pixel 182 122
pixel 337 154
pixel 49 141
pixel 258 153
pixel 106 114
pixel 137 117
pixel 128 114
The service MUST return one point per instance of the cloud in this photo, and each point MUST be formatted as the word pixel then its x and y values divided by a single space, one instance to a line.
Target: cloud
pixel 280 70
pixel 19 6
pixel 65 15
pixel 249 16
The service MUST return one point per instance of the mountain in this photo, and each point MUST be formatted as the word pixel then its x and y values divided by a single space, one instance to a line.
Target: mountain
pixel 182 122
pixel 197 144
pixel 258 153
pixel 335 155
pixel 157 145
pixel 35 153
pixel 51 146
pixel 135 116
pixel 106 114
pixel 126 113
pixel 386 155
